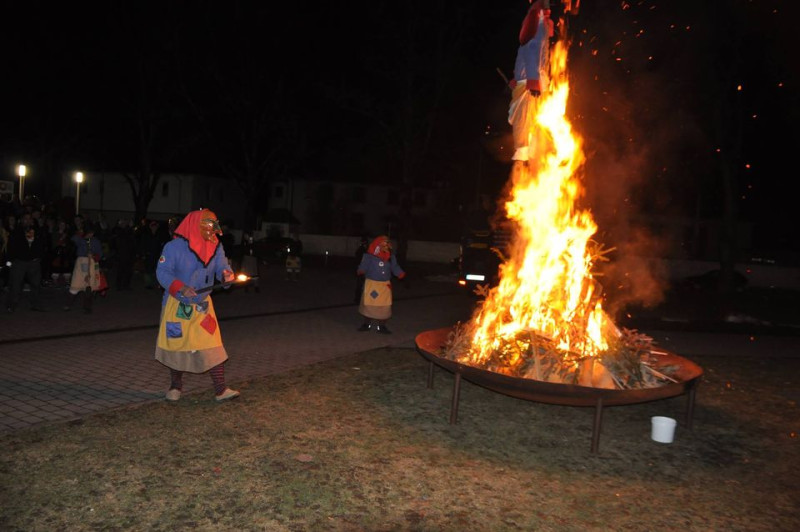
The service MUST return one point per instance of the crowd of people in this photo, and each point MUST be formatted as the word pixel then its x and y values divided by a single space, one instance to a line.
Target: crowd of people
pixel 39 248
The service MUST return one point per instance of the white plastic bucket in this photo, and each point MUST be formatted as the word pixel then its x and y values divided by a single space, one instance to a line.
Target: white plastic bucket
pixel 663 430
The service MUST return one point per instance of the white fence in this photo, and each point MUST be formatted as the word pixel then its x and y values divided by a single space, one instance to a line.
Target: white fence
pixel 345 246
pixel 761 275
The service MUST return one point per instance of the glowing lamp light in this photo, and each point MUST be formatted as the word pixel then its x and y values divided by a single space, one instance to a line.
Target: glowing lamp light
pixel 78 181
pixel 22 171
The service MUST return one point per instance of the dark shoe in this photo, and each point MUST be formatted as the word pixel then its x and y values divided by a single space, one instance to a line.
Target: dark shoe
pixel 364 327
pixel 382 329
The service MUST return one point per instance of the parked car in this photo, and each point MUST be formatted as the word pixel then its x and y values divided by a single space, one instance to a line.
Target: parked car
pixel 272 248
pixel 480 258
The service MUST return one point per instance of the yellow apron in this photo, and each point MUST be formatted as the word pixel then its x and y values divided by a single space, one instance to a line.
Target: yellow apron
pixel 189 338
pixel 376 300
pixel 84 266
pixel 187 327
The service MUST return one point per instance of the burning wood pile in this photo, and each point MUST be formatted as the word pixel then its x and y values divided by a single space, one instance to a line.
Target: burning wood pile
pixel 545 318
pixel 629 362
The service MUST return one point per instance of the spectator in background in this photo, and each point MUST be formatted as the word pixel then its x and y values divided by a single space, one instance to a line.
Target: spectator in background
pixel 123 247
pixel 25 252
pixel 293 265
pixel 4 234
pixel 250 262
pixel 150 243
pixel 227 240
pixel 360 250
pixel 60 259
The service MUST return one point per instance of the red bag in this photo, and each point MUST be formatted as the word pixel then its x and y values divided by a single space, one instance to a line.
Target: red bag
pixel 102 283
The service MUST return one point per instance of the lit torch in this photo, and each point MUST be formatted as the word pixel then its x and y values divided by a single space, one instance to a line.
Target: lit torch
pixel 239 279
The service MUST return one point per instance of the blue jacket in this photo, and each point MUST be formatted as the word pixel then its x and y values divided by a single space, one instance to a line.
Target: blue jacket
pixel 179 266
pixel 376 269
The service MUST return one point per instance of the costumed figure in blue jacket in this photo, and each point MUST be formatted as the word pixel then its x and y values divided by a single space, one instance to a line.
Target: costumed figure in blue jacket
pixel 189 337
pixel 530 76
pixel 86 272
pixel 377 266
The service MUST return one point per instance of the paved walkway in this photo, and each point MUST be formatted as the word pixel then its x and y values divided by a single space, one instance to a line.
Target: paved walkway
pixel 58 366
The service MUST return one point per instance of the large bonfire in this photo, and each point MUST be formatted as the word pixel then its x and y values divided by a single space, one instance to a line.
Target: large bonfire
pixel 545 319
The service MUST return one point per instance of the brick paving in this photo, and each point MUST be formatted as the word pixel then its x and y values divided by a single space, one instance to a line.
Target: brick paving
pixel 58 366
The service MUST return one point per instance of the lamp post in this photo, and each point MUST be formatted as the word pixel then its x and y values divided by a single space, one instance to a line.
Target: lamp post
pixel 22 170
pixel 78 181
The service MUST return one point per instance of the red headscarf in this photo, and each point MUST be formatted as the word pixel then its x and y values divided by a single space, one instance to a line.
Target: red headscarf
pixel 189 230
pixel 380 247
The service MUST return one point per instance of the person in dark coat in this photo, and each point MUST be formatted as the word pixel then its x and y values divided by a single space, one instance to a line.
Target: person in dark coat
pixel 123 244
pixel 360 250
pixel 151 240
pixel 26 251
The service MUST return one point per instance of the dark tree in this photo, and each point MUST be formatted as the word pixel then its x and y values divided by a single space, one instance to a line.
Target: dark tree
pixel 237 79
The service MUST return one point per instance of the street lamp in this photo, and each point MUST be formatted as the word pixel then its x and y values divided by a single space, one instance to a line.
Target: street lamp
pixel 78 181
pixel 22 170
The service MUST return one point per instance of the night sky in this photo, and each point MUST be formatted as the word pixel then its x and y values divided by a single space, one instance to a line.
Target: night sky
pixel 322 91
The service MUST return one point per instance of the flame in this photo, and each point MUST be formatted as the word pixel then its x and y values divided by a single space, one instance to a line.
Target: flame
pixel 242 277
pixel 546 284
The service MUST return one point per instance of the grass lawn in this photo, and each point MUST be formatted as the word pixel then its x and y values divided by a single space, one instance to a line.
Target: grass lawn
pixel 359 443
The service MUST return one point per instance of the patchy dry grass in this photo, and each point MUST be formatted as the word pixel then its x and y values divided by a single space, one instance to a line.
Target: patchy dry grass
pixel 360 443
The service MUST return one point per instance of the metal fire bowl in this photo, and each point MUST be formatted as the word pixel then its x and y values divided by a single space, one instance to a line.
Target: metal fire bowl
pixel 688 376
pixel 429 342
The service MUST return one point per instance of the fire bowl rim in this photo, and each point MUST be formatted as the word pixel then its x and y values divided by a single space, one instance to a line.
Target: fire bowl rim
pixel 428 342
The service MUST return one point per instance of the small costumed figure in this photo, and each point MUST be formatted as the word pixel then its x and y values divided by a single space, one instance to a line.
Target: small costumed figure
pixel 377 266
pixel 189 337
pixel 530 75
pixel 86 272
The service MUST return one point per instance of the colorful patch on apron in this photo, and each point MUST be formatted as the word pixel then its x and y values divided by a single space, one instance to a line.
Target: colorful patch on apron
pixel 209 324
pixel 162 259
pixel 185 311
pixel 174 329
pixel 379 292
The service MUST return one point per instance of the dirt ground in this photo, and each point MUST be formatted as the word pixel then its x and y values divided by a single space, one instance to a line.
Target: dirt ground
pixel 360 443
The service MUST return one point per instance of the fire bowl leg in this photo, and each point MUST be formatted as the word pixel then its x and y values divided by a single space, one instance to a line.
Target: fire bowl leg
pixel 598 425
pixel 454 402
pixel 690 404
